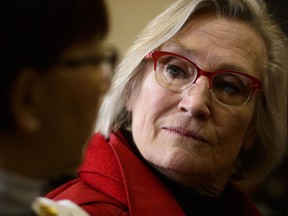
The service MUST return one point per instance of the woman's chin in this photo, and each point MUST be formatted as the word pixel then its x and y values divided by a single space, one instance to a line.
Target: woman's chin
pixel 184 166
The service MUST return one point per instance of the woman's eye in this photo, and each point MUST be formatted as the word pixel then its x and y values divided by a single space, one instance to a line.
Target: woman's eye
pixel 229 88
pixel 176 72
pixel 228 84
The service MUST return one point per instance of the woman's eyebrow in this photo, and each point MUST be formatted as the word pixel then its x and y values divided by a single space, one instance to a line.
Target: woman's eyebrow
pixel 192 52
pixel 231 67
pixel 178 44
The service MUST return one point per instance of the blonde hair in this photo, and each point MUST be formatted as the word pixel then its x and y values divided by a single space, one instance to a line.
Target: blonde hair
pixel 271 111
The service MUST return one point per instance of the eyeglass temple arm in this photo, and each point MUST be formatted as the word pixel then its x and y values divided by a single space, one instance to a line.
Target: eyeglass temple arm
pixel 149 55
pixel 154 58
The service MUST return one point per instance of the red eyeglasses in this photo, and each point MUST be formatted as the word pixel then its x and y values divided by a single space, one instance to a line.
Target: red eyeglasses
pixel 177 73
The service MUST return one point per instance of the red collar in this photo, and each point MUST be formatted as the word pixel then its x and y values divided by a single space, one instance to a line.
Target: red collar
pixel 113 168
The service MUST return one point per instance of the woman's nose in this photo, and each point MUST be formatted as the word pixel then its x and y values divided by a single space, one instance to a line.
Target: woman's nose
pixel 196 101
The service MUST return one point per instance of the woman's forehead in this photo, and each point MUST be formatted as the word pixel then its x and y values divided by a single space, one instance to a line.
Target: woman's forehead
pixel 236 41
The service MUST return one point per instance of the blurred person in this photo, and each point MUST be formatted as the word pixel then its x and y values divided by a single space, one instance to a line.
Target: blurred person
pixel 55 67
pixel 198 102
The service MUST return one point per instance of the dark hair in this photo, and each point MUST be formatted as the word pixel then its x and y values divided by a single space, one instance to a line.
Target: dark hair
pixel 33 33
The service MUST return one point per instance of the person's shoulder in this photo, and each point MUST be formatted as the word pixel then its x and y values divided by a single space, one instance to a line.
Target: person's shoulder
pixel 91 200
pixel 66 190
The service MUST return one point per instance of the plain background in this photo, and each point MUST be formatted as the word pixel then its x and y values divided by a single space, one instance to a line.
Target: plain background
pixel 129 17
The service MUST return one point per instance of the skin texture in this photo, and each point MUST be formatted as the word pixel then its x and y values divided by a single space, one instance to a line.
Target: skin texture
pixel 55 114
pixel 188 136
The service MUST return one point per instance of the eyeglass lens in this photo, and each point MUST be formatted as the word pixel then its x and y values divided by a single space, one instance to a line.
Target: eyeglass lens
pixel 177 74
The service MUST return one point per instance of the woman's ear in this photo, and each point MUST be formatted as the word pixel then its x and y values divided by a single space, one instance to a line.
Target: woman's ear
pixel 23 101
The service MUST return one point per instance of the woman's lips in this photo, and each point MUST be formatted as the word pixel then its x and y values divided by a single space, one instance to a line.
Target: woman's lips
pixel 186 133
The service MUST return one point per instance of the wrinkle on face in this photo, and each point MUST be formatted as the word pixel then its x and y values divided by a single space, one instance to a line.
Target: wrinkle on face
pixel 238 44
pixel 249 54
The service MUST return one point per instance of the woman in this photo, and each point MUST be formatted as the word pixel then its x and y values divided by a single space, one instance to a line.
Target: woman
pixel 199 101
pixel 54 70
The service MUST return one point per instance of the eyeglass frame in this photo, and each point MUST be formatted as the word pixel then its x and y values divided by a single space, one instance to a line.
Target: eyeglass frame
pixel 157 54
pixel 111 57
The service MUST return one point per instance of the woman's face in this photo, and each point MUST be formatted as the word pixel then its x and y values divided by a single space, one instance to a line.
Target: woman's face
pixel 188 136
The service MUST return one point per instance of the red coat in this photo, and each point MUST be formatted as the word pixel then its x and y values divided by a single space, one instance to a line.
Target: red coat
pixel 113 181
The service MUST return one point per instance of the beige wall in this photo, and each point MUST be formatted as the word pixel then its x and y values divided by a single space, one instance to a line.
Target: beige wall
pixel 128 18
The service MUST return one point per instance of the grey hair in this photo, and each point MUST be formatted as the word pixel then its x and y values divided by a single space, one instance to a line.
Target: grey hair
pixel 271 111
